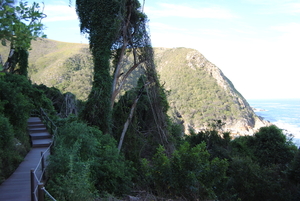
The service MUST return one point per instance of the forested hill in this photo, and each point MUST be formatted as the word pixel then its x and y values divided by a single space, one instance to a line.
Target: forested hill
pixel 201 93
pixel 198 91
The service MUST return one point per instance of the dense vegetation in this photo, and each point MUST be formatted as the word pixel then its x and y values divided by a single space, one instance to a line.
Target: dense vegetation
pixel 154 160
pixel 18 99
pixel 199 98
pixel 197 101
pixel 205 165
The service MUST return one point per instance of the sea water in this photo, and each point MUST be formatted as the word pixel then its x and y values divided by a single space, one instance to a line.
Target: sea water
pixel 284 113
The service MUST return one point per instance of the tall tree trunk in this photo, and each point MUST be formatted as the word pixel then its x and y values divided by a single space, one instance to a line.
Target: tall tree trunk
pixel 98 109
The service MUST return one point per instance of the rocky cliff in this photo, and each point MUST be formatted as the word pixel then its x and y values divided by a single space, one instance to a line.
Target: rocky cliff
pixel 200 93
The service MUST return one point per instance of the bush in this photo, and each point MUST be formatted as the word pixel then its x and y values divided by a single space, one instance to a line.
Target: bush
pixel 188 173
pixel 294 171
pixel 90 159
pixel 217 144
pixel 9 157
pixel 17 100
pixel 272 147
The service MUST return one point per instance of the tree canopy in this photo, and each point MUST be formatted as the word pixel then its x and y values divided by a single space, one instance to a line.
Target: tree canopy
pixel 19 24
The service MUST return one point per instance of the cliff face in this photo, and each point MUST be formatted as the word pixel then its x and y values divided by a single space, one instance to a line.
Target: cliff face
pixel 204 81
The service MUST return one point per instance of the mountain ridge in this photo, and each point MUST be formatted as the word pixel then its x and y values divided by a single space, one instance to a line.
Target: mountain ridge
pixel 247 122
pixel 199 92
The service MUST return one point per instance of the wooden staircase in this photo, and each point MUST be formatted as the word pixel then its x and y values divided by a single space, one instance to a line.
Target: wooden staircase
pixel 18 186
pixel 39 135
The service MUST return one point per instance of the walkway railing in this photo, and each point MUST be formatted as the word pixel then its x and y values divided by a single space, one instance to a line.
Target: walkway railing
pixel 37 175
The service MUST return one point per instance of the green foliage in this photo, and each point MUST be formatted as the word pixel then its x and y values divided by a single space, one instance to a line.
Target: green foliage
pixel 98 19
pixel 14 89
pixel 247 180
pixel 200 97
pixel 198 100
pixel 111 25
pixel 269 146
pixel 142 137
pixel 272 147
pixel 9 155
pixel 294 171
pixel 76 76
pixel 257 164
pixel 18 98
pixel 52 94
pixel 216 143
pixel 188 173
pixel 23 62
pixel 90 159
pixel 65 66
pixel 20 24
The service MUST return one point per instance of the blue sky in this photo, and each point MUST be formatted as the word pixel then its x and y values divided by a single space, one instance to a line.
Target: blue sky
pixel 255 43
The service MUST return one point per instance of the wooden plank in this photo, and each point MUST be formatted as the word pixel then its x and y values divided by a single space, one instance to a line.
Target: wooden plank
pixel 17 186
pixel 34 120
pixel 40 135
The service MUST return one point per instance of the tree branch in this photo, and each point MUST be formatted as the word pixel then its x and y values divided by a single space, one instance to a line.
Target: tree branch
pixel 122 82
pixel 130 116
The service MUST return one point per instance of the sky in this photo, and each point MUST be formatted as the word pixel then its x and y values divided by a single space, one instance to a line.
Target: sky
pixel 255 43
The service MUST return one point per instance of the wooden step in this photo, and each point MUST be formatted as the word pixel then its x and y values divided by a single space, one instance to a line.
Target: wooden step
pixel 37 129
pixel 36 125
pixel 41 142
pixel 34 120
pixel 40 135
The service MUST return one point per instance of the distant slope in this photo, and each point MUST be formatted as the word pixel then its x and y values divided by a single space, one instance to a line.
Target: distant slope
pixel 198 91
pixel 201 93
pixel 66 66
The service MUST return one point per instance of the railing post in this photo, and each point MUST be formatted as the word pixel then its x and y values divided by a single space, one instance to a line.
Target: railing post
pixel 32 184
pixel 43 165
pixel 41 193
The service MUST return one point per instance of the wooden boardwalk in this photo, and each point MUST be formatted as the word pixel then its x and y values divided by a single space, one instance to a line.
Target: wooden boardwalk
pixel 17 186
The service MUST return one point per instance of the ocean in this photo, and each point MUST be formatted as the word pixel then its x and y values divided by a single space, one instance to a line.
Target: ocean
pixel 284 113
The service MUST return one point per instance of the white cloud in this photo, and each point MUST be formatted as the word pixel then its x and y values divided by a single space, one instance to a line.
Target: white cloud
pixel 281 7
pixel 176 10
pixel 165 27
pixel 288 28
pixel 284 8
pixel 292 8
pixel 59 13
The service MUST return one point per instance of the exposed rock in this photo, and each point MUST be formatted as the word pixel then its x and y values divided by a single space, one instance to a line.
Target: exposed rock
pixel 243 121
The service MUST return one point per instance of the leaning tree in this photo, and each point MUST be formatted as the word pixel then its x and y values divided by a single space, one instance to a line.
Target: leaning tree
pixel 117 29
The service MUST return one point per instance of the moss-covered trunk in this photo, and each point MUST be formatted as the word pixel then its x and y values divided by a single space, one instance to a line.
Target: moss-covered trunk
pixel 98 110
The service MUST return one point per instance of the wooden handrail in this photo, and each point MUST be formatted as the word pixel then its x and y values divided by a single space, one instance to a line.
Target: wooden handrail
pixel 38 191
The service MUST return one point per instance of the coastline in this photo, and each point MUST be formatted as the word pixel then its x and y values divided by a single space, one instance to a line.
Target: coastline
pixel 284 113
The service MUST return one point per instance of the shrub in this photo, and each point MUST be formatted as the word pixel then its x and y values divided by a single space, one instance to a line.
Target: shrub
pixel 9 157
pixel 188 173
pixel 17 100
pixel 83 150
pixel 272 147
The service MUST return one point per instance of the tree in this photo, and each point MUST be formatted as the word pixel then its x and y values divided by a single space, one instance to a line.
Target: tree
pixel 117 29
pixel 19 25
pixel 272 147
pixel 101 20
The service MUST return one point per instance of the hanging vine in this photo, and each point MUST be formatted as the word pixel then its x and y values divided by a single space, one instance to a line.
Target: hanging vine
pixel 116 30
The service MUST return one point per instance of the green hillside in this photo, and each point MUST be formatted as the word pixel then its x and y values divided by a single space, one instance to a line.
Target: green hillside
pixel 198 91
pixel 66 66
